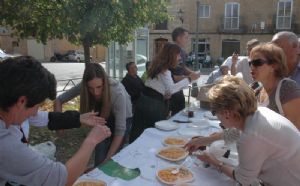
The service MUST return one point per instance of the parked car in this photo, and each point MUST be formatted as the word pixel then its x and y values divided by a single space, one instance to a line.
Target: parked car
pixel 70 55
pixel 76 55
pixel 4 55
pixel 141 63
pixel 59 56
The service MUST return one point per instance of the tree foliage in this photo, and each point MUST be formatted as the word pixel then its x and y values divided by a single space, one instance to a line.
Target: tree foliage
pixel 86 22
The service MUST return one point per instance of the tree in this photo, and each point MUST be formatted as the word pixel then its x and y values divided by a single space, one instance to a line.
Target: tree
pixel 86 22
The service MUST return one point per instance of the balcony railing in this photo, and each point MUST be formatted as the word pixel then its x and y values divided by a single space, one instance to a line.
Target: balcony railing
pixel 241 29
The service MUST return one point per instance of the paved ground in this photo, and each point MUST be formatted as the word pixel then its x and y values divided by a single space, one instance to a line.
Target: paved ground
pixel 65 71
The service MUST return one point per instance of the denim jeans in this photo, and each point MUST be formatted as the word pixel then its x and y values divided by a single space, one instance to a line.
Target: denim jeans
pixel 102 148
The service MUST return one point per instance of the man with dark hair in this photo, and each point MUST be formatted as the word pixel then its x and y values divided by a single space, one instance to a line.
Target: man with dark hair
pixel 132 82
pixel 24 85
pixel 180 36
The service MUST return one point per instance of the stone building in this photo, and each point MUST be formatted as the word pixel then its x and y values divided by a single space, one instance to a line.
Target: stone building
pixel 224 26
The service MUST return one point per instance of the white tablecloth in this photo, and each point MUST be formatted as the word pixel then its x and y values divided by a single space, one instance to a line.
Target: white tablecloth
pixel 142 154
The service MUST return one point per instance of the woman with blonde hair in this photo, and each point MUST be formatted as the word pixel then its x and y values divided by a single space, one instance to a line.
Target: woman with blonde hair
pixel 268 146
pixel 107 96
pixel 153 105
pixel 279 94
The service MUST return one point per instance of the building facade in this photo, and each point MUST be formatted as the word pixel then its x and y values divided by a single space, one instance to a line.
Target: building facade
pixel 225 26
pixel 40 51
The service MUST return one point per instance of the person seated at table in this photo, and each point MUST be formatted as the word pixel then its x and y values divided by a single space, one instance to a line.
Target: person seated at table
pixel 24 85
pixel 217 74
pixel 153 104
pixel 133 84
pixel 145 74
pixel 107 96
pixel 268 146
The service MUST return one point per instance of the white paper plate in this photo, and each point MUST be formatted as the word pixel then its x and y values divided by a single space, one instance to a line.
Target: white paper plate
pixel 191 131
pixel 178 181
pixel 170 159
pixel 199 123
pixel 166 125
pixel 81 181
pixel 175 145
pixel 209 115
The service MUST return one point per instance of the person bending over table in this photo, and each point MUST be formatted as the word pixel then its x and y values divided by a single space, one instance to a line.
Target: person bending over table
pixel 268 146
pixel 24 85
pixel 153 104
pixel 107 96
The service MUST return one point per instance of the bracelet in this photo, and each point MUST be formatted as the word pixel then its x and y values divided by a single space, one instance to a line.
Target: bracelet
pixel 220 165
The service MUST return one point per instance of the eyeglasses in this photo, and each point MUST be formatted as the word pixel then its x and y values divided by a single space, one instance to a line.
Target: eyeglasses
pixel 257 62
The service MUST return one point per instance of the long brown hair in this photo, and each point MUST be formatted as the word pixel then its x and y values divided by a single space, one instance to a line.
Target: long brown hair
pixel 166 59
pixel 87 100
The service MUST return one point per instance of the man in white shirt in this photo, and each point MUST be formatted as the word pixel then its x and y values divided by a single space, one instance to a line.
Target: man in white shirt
pixel 242 65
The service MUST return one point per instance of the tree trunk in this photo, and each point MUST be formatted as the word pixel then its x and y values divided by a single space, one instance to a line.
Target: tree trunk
pixel 86 48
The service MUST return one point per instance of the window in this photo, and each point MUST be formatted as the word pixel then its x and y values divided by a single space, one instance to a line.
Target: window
pixel 284 14
pixel 161 26
pixel 204 11
pixel 232 14
pixel 203 47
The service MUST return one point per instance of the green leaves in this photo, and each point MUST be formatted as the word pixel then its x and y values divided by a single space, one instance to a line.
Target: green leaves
pixel 91 21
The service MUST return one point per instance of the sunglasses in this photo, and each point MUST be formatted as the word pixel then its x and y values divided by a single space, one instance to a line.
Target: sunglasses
pixel 257 62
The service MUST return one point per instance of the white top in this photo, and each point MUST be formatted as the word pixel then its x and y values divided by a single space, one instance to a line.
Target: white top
pixel 243 67
pixel 39 120
pixel 269 149
pixel 228 61
pixel 163 83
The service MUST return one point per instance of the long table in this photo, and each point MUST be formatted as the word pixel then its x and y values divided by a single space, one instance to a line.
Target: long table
pixel 142 154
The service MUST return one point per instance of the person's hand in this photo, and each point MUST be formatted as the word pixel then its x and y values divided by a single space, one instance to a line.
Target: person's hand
pixel 194 76
pixel 208 158
pixel 98 134
pixel 196 143
pixel 91 119
pixel 167 95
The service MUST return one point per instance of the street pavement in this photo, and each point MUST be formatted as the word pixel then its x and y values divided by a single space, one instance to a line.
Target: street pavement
pixel 66 71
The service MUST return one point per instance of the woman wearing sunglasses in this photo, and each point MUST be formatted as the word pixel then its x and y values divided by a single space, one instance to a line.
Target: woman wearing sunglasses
pixel 280 94
pixel 268 147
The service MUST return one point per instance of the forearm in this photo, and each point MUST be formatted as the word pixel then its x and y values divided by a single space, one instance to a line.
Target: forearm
pixel 215 137
pixel 227 170
pixel 57 106
pixel 115 146
pixel 77 164
pixel 178 78
pixel 233 69
pixel 65 120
